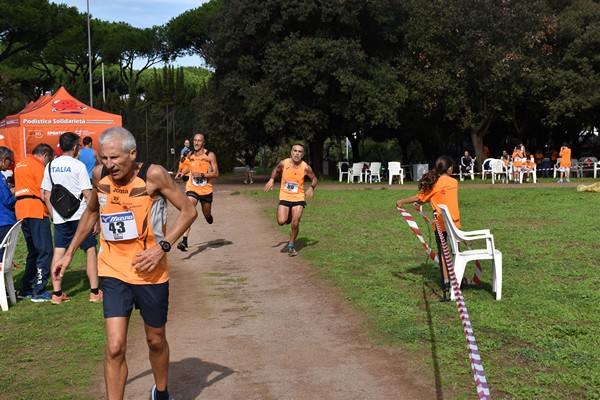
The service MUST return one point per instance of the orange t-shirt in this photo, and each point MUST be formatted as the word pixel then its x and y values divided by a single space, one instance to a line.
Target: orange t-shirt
pixel 565 155
pixel 29 173
pixel 199 163
pixel 445 191
pixel 184 165
pixel 529 164
pixel 131 221
pixel 292 181
pixel 518 156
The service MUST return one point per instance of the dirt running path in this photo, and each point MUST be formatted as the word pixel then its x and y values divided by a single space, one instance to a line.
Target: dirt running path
pixel 248 322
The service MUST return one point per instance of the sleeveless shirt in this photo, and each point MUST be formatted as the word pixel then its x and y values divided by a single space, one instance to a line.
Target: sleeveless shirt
pixel 131 221
pixel 292 181
pixel 199 163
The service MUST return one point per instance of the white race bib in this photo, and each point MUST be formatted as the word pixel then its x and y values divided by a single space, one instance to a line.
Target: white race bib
pixel 197 181
pixel 119 226
pixel 291 187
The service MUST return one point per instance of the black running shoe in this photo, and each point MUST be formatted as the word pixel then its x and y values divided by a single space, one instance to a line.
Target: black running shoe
pixel 182 246
pixel 209 219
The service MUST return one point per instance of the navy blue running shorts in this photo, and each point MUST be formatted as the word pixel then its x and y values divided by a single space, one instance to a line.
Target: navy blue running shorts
pixel 63 236
pixel 152 300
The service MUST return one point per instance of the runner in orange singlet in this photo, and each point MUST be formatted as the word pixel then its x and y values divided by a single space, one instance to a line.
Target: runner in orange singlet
pixel 130 201
pixel 203 168
pixel 291 193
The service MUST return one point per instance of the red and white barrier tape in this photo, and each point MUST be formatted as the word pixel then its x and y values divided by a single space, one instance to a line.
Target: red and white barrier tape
pixel 477 275
pixel 483 392
pixel 415 228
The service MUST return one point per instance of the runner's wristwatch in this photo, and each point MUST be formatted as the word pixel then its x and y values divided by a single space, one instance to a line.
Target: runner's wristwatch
pixel 165 246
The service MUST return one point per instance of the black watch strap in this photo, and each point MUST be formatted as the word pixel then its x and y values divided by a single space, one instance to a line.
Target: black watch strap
pixel 165 246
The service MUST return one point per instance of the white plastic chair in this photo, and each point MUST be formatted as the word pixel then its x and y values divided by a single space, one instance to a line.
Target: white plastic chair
pixel 395 169
pixel 375 172
pixel 576 169
pixel 357 172
pixel 486 168
pixel 499 170
pixel 461 258
pixel 343 168
pixel 587 164
pixel 7 284
pixel 532 172
pixel 557 166
pixel 596 168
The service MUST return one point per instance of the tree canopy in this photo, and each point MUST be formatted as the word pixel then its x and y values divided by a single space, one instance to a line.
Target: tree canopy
pixel 434 76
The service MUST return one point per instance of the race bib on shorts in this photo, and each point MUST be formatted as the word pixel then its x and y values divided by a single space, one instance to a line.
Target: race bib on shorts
pixel 291 187
pixel 119 226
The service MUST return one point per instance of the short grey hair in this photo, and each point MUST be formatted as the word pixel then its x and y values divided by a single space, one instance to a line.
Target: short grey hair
pixel 118 133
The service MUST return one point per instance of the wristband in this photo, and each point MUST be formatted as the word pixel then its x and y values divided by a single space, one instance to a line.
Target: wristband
pixel 313 187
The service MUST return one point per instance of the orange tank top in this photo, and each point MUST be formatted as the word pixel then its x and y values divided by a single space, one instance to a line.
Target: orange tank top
pixel 199 163
pixel 292 181
pixel 130 221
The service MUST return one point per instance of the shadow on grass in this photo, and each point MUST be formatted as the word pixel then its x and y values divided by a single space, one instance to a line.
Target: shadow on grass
pixel 190 376
pixel 431 290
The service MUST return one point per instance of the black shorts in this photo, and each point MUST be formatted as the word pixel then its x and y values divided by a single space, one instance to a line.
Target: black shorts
pixel 120 298
pixel 292 204
pixel 207 198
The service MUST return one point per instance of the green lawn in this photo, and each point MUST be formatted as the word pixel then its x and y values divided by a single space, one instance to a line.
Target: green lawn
pixel 539 342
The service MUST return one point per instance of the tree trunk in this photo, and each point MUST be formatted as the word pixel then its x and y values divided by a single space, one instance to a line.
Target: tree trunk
pixel 477 140
pixel 316 154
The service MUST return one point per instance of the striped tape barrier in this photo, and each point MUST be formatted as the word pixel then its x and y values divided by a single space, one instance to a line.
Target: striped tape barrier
pixel 415 228
pixel 483 391
pixel 477 274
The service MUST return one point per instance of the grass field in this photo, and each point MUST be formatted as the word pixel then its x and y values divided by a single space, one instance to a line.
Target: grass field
pixel 539 342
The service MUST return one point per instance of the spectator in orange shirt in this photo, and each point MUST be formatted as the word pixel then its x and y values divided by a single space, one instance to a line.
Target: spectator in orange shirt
pixel 438 187
pixel 565 163
pixel 529 165
pixel 539 157
pixel 30 207
pixel 518 156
